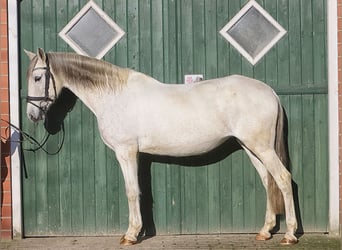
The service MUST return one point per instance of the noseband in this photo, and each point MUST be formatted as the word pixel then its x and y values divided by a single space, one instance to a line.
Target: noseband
pixel 46 97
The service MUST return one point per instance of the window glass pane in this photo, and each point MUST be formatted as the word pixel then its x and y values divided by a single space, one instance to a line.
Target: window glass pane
pixel 253 32
pixel 91 33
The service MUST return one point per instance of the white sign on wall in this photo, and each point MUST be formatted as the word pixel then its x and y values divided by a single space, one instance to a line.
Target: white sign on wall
pixel 192 78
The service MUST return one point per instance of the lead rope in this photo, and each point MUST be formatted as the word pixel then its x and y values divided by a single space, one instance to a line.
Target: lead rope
pixel 33 141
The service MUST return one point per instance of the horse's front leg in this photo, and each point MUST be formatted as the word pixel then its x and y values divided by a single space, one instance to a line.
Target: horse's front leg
pixel 128 159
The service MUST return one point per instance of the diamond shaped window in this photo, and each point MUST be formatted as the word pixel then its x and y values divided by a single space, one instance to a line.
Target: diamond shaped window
pixel 253 32
pixel 91 32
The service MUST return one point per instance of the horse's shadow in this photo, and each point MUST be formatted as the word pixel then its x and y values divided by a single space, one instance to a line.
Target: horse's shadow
pixel 58 110
pixel 4 152
pixel 66 101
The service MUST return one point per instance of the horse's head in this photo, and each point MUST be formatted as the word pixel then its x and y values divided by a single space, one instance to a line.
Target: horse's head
pixel 41 86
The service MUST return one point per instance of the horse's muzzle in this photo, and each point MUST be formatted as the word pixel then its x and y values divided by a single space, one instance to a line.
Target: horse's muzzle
pixel 34 114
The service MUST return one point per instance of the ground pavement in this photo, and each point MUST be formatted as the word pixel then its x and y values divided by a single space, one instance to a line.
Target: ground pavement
pixel 222 241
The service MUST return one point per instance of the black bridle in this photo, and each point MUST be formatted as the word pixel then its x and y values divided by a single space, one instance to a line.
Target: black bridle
pixel 46 98
pixel 42 99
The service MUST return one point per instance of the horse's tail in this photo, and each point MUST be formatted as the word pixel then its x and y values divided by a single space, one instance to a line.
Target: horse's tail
pixel 276 197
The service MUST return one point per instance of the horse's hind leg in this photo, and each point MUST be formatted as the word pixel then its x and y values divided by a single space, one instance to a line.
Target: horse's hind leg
pixel 270 217
pixel 282 177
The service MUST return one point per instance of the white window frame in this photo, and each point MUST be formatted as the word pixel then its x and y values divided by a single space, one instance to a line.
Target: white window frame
pixel 231 40
pixel 78 16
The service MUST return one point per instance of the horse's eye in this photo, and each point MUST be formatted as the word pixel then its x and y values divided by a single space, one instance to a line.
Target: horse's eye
pixel 37 78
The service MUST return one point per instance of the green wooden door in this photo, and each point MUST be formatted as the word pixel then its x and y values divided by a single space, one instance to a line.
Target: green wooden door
pixel 80 191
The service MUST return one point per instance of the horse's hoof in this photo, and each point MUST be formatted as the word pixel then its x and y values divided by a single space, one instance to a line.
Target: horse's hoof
pixel 288 242
pixel 262 237
pixel 125 242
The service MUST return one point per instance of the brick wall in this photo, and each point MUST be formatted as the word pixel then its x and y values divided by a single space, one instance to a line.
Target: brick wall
pixel 5 188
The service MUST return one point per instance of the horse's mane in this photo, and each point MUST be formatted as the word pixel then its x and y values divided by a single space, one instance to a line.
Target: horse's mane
pixel 87 72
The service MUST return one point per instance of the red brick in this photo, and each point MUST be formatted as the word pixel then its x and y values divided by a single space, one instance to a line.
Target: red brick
pixel 3 68
pixel 3 4
pixel 3 42
pixel 6 234
pixel 6 211
pixel 3 16
pixel 4 134
pixel 7 198
pixel 3 81
pixel 3 55
pixel 6 223
pixel 4 108
pixel 339 12
pixel 3 30
pixel 4 95
pixel 6 185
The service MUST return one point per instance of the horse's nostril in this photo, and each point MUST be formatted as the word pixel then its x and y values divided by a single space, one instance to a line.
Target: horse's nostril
pixel 34 118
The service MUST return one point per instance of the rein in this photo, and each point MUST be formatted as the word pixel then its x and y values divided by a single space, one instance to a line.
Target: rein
pixel 33 141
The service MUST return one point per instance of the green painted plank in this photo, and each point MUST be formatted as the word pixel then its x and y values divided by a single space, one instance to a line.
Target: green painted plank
pixel 210 39
pixel 199 52
pixel 249 194
pixel 189 214
pixel 213 201
pixel 272 55
pixel 157 40
pixel 40 159
pixel 29 194
pixel 159 197
pixel 133 34
pixel 296 142
pixel 306 41
pixel 173 172
pixel 226 194
pixel 77 212
pixel 308 162
pixel 120 55
pixel 116 202
pixel 174 201
pixel 100 174
pixel 319 42
pixel 321 163
pixel 52 144
pixel 211 71
pixel 222 45
pixel 145 31
pixel 235 59
pixel 88 169
pixel 238 191
pixel 64 156
pixel 186 46
pixel 294 33
pixel 283 45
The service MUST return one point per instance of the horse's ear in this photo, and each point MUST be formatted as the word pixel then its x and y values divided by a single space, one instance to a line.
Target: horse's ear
pixel 30 54
pixel 41 54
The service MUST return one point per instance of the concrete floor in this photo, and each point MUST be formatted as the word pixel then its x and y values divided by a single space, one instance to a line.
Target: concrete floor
pixel 222 241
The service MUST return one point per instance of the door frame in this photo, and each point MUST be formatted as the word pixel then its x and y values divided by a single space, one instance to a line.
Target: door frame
pixel 13 36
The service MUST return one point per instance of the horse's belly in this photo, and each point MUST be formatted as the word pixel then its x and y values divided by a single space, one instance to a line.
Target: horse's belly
pixel 180 144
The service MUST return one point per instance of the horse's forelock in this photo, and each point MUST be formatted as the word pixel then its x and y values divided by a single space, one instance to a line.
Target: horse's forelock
pixel 31 66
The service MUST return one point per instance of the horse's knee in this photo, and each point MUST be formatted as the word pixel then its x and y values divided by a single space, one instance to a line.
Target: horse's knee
pixel 132 193
pixel 132 196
